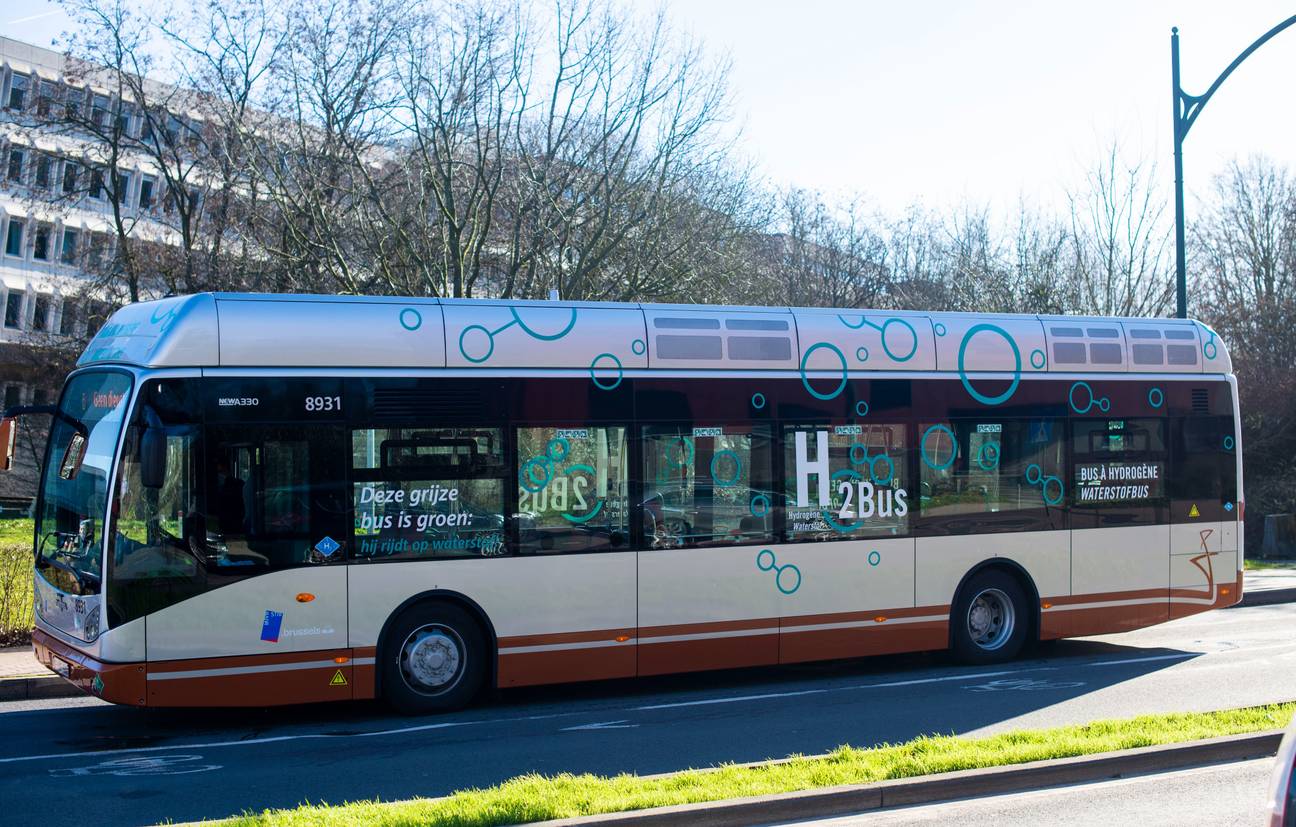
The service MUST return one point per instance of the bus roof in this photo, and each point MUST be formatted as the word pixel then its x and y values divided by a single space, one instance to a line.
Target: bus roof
pixel 301 331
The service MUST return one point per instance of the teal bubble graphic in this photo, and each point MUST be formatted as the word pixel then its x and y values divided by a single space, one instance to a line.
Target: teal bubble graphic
pixel 482 354
pixel 1155 398
pixel 1228 443
pixel 787 578
pixel 945 429
pixel 1016 372
pixel 764 505
pixel 1039 363
pixel 861 353
pixel 988 456
pixel 726 482
pixel 1043 482
pixel 861 408
pixel 805 380
pixel 638 347
pixel 884 329
pixel 560 443
pixel 620 372
pixel 758 400
pixel 1102 403
pixel 411 319
pixel 874 557
pixel 941 330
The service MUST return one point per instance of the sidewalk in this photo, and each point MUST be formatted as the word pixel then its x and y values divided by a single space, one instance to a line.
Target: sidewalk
pixel 1265 586
pixel 19 662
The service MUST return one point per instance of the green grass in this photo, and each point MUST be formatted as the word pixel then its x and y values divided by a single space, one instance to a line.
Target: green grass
pixel 537 797
pixel 16 531
pixel 1260 565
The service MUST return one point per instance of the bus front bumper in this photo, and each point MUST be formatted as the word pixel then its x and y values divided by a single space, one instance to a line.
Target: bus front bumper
pixel 119 683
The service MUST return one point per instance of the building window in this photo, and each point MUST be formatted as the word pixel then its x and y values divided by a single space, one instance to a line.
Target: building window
pixel 18 91
pixel 124 119
pixel 121 187
pixel 99 111
pixel 41 243
pixel 72 103
pixel 15 165
pixel 70 174
pixel 12 395
pixel 96 183
pixel 67 319
pixel 45 99
pixel 14 238
pixel 146 192
pixel 13 309
pixel 98 252
pixel 43 165
pixel 40 315
pixel 68 253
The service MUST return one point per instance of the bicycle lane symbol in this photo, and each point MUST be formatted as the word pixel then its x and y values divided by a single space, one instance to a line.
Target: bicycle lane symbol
pixel 140 765
pixel 1023 684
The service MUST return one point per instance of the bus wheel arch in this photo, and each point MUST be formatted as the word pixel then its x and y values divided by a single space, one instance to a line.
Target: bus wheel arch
pixel 428 603
pixel 1016 585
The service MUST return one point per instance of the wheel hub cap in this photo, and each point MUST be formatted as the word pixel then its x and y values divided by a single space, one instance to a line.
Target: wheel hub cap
pixel 430 658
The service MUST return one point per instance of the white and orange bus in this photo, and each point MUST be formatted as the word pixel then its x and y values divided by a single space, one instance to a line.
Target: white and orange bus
pixel 254 500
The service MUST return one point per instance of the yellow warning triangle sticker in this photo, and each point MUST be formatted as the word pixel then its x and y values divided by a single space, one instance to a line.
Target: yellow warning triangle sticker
pixel 1192 512
pixel 338 679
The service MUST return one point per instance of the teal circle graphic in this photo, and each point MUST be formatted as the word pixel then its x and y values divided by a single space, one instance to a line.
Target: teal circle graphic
pixel 1043 482
pixel 571 518
pixel 1101 404
pixel 594 366
pixel 1212 352
pixel 638 347
pixel 805 380
pixel 688 446
pixel 967 383
pixel 758 400
pixel 874 557
pixel 544 337
pixel 490 343
pixel 953 454
pixel 887 349
pixel 873 470
pixel 560 442
pixel 417 317
pixel 1156 398
pixel 1038 365
pixel 988 456
pixel 941 330
pixel 861 353
pixel 861 408
pixel 527 477
pixel 726 482
pixel 1228 443
pixel 765 505
pixel 863 457
pixel 845 473
pixel 859 326
pixel 770 563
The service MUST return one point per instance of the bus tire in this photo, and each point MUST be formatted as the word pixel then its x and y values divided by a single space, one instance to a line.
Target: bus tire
pixel 434 659
pixel 989 621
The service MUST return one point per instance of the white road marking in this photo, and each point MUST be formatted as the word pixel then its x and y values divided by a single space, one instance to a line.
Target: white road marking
pixel 605 725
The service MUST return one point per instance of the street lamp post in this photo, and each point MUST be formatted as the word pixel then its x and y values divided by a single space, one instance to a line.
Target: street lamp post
pixel 1186 109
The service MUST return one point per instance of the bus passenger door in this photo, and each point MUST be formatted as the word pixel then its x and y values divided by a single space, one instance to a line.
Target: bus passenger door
pixel 270 538
pixel 704 600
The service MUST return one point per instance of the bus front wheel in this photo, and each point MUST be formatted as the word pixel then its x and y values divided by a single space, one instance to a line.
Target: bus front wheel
pixel 434 659
pixel 989 618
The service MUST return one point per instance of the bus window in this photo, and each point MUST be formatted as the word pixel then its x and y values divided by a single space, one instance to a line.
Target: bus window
pixel 425 493
pixel 971 468
pixel 1202 453
pixel 844 481
pixel 1120 471
pixel 706 485
pixel 572 489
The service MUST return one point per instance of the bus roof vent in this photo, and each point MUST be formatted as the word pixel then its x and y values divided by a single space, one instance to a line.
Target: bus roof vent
pixel 1200 400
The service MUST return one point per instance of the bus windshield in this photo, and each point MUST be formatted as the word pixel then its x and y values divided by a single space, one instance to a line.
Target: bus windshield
pixel 69 522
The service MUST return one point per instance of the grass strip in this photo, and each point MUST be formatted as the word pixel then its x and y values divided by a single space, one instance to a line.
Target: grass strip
pixel 537 797
pixel 1249 564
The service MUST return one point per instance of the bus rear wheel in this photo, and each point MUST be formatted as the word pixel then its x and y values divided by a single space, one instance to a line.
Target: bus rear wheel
pixel 434 660
pixel 989 619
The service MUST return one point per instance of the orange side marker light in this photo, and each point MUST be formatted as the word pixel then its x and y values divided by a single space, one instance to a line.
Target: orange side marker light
pixel 305 597
pixel 1046 605
pixel 621 638
pixel 880 619
pixel 341 659
pixel 1224 590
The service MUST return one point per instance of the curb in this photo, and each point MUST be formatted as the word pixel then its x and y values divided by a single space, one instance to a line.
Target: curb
pixel 1266 597
pixel 858 798
pixel 35 688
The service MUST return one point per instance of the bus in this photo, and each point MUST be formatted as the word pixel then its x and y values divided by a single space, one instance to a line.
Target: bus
pixel 275 499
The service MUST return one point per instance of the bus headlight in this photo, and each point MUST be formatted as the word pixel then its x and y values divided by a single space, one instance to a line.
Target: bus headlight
pixel 90 630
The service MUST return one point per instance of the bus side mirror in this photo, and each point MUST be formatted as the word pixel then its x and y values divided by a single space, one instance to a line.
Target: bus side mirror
pixel 8 443
pixel 73 454
pixel 152 457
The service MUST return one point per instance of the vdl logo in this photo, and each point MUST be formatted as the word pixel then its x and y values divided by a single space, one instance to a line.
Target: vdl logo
pixel 271 625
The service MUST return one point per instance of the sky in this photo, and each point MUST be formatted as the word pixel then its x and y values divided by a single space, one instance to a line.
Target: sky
pixel 939 103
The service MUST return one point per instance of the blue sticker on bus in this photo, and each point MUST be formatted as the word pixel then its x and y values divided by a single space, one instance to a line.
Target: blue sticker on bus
pixel 270 626
pixel 327 546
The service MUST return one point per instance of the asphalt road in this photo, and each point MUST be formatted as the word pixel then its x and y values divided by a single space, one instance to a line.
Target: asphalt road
pixel 117 765
pixel 1222 796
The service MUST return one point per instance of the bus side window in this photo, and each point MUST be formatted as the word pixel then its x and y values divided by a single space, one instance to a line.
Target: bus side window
pixel 573 489
pixel 707 485
pixel 1120 469
pixel 844 481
